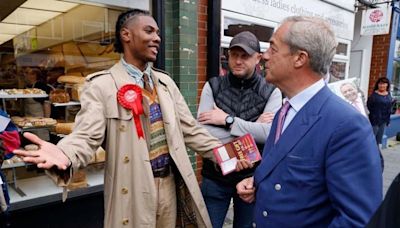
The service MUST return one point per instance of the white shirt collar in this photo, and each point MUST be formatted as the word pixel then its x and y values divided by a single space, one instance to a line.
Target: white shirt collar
pixel 298 101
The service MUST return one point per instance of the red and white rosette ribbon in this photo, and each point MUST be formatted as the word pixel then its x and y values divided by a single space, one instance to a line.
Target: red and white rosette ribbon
pixel 130 97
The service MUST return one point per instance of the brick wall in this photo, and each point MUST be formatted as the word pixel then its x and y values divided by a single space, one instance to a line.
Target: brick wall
pixel 379 59
pixel 201 60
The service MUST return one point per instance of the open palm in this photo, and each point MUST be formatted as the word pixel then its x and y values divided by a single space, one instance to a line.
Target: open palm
pixel 47 156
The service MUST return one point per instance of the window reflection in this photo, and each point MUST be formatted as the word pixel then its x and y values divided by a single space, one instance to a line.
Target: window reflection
pixel 341 49
pixel 337 71
pixel 224 66
pixel 234 26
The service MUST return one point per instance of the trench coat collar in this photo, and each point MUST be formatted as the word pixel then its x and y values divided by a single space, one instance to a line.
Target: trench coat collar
pixel 121 78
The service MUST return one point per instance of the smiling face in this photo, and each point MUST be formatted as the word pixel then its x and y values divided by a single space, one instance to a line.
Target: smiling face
pixel 383 86
pixel 141 40
pixel 349 92
pixel 241 64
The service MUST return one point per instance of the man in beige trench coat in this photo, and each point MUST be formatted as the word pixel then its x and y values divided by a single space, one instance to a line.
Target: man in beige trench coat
pixel 134 195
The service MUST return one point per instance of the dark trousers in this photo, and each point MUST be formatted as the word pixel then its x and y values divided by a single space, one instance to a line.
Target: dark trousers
pixel 378 132
pixel 218 198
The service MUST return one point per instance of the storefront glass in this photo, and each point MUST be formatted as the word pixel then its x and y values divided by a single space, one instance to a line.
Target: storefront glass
pixel 47 48
pixel 337 71
pixel 54 39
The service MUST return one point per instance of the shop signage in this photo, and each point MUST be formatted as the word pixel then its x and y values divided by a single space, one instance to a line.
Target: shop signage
pixel 376 21
pixel 138 4
pixel 340 18
pixel 346 4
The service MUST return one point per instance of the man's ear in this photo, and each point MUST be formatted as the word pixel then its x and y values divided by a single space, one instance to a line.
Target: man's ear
pixel 259 55
pixel 125 34
pixel 301 58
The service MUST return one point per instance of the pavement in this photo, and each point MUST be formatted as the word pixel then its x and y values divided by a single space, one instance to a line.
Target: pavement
pixel 391 156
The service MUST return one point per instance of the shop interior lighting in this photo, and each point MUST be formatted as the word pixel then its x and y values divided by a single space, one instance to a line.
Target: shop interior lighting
pixel 26 16
pixel 14 29
pixel 49 5
pixel 31 13
pixel 5 38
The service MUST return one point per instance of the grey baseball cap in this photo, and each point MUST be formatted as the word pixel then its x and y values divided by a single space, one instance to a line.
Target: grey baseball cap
pixel 247 41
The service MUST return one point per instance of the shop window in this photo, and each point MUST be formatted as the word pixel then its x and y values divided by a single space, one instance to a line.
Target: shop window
pixel 74 41
pixel 234 23
pixel 337 71
pixel 342 49
pixel 396 80
pixel 224 66
pixel 234 26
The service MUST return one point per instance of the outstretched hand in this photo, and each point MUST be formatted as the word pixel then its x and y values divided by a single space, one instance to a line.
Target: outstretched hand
pixel 47 156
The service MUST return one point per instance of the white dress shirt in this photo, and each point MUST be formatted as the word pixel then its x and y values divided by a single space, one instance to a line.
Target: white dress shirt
pixel 298 101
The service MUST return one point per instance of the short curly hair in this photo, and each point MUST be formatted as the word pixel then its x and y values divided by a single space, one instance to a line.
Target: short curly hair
pixel 123 18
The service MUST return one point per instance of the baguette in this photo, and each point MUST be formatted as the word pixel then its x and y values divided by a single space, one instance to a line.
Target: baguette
pixel 71 79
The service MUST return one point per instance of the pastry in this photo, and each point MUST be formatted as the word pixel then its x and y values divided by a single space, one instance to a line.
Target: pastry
pixel 31 147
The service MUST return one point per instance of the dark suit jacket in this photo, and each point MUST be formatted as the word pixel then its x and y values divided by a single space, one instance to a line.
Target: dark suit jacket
pixel 388 214
pixel 323 172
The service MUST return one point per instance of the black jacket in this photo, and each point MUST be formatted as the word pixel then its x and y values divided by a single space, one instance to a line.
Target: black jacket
pixel 388 214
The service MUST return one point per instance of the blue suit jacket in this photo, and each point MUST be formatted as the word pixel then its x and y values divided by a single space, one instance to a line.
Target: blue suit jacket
pixel 324 171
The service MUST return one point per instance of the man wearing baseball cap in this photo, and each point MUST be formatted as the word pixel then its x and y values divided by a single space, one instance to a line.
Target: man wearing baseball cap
pixel 231 106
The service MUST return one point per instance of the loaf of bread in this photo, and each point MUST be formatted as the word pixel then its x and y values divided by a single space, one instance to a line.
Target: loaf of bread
pixel 64 128
pixel 100 155
pixel 78 180
pixel 71 79
pixel 76 91
pixel 79 176
pixel 59 96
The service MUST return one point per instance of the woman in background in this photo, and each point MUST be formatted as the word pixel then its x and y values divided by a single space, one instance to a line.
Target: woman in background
pixel 35 107
pixel 380 106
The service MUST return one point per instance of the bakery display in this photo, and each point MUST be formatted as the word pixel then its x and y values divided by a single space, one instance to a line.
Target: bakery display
pixel 73 85
pixel 76 90
pixel 23 91
pixel 79 180
pixel 59 96
pixel 71 79
pixel 25 122
pixel 100 155
pixel 64 128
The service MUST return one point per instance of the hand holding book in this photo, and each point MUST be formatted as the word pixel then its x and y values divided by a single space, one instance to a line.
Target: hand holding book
pixel 238 154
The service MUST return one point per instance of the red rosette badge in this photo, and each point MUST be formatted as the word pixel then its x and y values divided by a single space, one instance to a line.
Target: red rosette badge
pixel 130 97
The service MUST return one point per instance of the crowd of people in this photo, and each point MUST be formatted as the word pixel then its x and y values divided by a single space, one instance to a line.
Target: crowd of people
pixel 320 167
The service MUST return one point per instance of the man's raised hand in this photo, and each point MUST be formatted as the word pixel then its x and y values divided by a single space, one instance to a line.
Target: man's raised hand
pixel 47 156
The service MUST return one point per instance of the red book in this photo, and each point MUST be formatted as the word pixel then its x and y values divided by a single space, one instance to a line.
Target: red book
pixel 243 147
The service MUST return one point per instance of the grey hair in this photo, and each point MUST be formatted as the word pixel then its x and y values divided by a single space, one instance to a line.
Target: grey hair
pixel 349 83
pixel 315 36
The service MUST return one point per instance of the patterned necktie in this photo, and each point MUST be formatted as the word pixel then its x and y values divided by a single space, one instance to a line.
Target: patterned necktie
pixel 281 120
pixel 146 83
